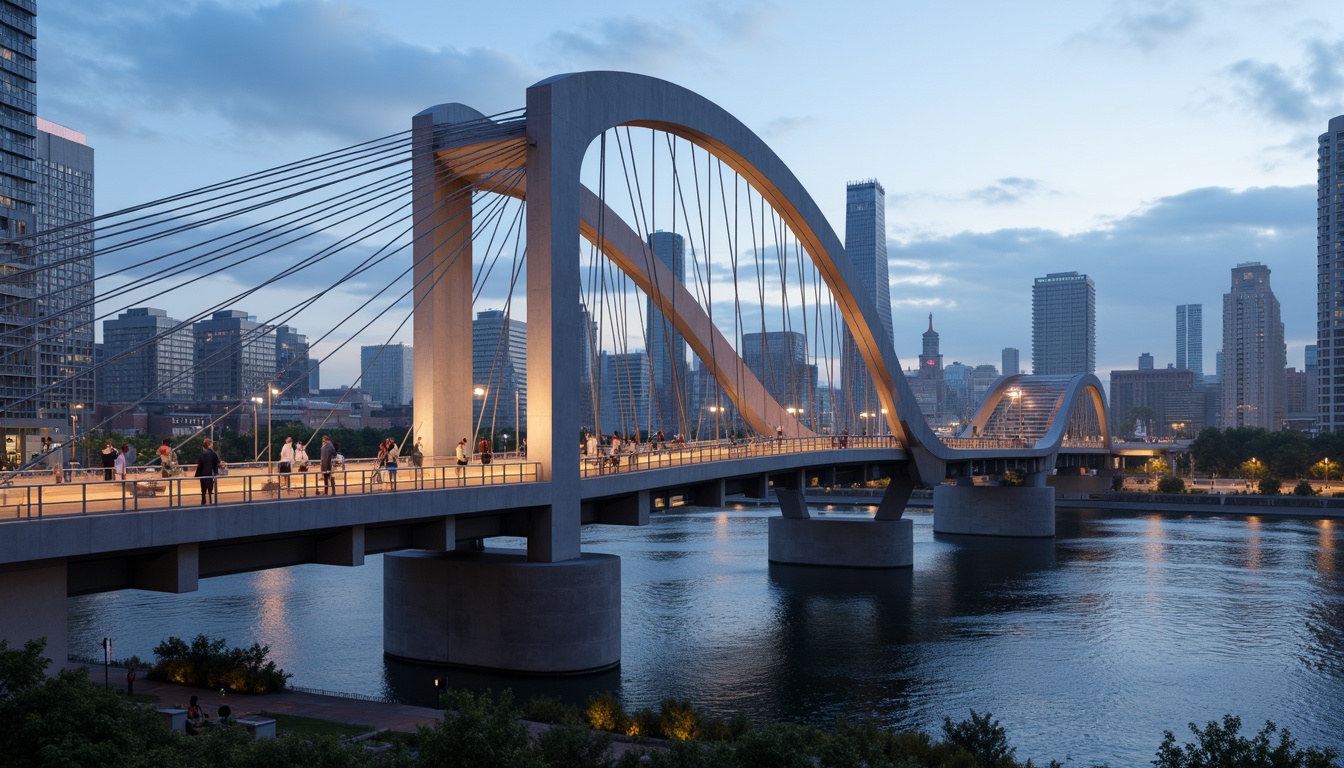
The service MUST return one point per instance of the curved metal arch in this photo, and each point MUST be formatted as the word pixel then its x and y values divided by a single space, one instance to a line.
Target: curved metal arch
pixel 566 113
pixel 618 241
pixel 1078 390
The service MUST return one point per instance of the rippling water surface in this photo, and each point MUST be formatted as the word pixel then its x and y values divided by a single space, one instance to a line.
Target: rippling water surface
pixel 1086 647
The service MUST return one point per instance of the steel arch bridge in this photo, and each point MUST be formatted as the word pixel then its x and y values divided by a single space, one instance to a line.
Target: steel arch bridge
pixel 1025 422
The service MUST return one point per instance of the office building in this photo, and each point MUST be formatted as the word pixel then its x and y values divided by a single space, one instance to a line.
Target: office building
pixel 1011 361
pixel 866 246
pixel 1330 276
pixel 779 360
pixel 1254 356
pixel 927 383
pixel 667 347
pixel 1145 362
pixel 587 367
pixel 234 356
pixel 146 358
pixel 625 387
pixel 498 371
pixel 1063 324
pixel 1313 384
pixel 1159 403
pixel 388 373
pixel 1190 339
pixel 294 373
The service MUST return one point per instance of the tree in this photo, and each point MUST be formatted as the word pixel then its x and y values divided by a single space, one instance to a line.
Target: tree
pixel 1221 745
pixel 1270 486
pixel 1305 488
pixel 1171 485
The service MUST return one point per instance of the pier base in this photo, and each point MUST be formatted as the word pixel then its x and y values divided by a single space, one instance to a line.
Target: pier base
pixel 842 543
pixel 994 510
pixel 32 606
pixel 493 609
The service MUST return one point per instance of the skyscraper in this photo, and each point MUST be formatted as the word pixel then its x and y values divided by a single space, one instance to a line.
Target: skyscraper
pixel 19 377
pixel 1063 324
pixel 292 367
pixel 866 246
pixel 928 385
pixel 1190 339
pixel 234 356
pixel 1145 362
pixel 148 358
pixel 1254 357
pixel 1330 275
pixel 64 172
pixel 1011 361
pixel 499 370
pixel 667 347
pixel 625 396
pixel 389 371
pixel 779 360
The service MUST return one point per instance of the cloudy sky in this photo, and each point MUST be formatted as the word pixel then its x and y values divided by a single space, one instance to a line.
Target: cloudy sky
pixel 1151 144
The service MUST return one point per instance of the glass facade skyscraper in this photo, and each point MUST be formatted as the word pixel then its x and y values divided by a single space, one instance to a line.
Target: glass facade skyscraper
pixel 1190 339
pixel 866 246
pixel 389 371
pixel 499 370
pixel 1063 324
pixel 148 358
pixel 234 356
pixel 1254 357
pixel 667 347
pixel 1330 276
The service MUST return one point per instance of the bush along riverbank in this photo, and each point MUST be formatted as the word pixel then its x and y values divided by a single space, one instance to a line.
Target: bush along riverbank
pixel 66 719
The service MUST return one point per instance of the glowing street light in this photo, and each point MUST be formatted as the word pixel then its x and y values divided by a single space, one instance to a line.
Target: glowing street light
pixel 256 430
pixel 716 410
pixel 1016 395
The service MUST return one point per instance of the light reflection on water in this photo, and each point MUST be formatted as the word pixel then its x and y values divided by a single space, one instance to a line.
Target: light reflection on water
pixel 1086 647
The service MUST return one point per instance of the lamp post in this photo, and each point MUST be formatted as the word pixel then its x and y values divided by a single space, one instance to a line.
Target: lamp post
pixel 270 392
pixel 1326 461
pixel 865 416
pixel 74 432
pixel 256 430
pixel 884 426
pixel 716 410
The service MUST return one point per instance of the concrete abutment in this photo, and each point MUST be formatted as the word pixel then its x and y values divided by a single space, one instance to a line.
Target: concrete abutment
pixel 983 510
pixel 494 609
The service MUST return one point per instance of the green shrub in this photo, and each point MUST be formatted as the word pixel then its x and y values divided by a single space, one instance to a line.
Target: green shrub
pixel 548 709
pixel 574 745
pixel 209 663
pixel 1171 484
pixel 605 713
pixel 679 720
pixel 1304 488
pixel 1270 486
pixel 479 731
pixel 982 736
pixel 1221 745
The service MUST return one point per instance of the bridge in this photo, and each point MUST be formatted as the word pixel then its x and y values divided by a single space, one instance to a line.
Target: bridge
pixel 552 607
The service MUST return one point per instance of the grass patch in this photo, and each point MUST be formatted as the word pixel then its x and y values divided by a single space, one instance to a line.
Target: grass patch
pixel 294 725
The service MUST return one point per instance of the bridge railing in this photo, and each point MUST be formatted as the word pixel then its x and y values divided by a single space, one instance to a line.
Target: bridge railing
pixel 90 494
pixel 644 456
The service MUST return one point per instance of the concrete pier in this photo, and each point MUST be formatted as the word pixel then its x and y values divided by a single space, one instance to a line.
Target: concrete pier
pixel 797 538
pixel 493 609
pixel 983 510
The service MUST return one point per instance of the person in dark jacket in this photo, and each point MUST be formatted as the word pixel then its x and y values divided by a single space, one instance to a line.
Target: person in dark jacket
pixel 207 467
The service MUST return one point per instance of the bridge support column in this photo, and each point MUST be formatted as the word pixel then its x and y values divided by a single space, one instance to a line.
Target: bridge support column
pixel 32 606
pixel 494 609
pixel 799 539
pixel 1024 511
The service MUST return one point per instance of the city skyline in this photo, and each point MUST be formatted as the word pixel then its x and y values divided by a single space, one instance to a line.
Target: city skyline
pixel 1211 119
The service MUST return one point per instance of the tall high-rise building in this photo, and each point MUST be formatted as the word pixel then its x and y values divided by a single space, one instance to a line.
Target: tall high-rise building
pixel 389 373
pixel 292 367
pixel 19 378
pixel 1145 362
pixel 1011 361
pixel 1330 275
pixel 234 356
pixel 1063 324
pixel 667 347
pixel 1313 383
pixel 499 370
pixel 1254 356
pixel 64 172
pixel 866 246
pixel 1190 339
pixel 147 358
pixel 779 360
pixel 587 367
pixel 625 392
pixel 928 385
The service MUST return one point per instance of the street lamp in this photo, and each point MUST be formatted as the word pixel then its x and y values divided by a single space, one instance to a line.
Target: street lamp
pixel 716 410
pixel 883 426
pixel 1326 461
pixel 1016 395
pixel 256 430
pixel 74 431
pixel 865 416
pixel 270 392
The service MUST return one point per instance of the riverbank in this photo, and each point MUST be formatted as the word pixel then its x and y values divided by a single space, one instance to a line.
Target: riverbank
pixel 1247 504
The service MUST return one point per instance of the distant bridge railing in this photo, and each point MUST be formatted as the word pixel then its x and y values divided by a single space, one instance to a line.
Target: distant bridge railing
pixel 642 456
pixel 38 497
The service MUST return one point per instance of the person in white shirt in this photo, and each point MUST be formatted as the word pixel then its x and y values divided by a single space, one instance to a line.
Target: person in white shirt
pixel 286 461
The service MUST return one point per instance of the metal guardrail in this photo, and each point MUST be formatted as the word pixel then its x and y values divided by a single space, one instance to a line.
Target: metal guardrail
pixel 642 456
pixel 88 493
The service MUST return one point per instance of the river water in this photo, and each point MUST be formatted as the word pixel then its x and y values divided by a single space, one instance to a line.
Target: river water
pixel 1086 647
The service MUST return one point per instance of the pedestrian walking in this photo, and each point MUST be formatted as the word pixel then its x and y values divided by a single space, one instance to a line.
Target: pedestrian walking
pixel 108 459
pixel 393 453
pixel 326 459
pixel 207 468
pixel 286 461
pixel 380 463
pixel 119 463
pixel 463 457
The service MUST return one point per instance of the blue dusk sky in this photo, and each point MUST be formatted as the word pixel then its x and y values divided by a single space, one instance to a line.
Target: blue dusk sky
pixel 1151 144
